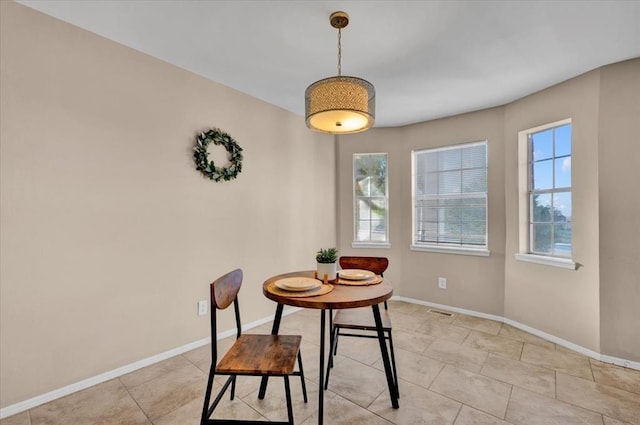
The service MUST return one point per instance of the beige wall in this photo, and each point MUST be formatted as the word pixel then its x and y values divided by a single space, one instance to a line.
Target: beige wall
pixel 561 302
pixel 619 174
pixel 385 140
pixel 109 235
pixel 599 300
pixel 474 283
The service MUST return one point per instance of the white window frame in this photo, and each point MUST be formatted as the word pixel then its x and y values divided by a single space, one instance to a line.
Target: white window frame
pixel 477 250
pixel 524 205
pixel 370 243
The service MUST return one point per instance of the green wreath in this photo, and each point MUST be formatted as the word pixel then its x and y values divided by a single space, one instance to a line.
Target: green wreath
pixel 208 168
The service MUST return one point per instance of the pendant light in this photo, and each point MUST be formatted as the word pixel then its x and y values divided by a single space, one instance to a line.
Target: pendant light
pixel 340 104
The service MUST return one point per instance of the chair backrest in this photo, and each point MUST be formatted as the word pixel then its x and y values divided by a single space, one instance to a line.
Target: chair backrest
pixel 224 292
pixel 375 264
pixel 225 289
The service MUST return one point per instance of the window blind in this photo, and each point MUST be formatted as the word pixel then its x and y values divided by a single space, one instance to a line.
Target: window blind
pixel 450 195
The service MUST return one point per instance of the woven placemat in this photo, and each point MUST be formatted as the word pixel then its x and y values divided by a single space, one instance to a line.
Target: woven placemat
pixel 323 289
pixel 374 280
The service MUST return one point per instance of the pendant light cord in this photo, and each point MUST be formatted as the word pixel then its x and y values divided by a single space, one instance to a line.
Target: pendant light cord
pixel 339 52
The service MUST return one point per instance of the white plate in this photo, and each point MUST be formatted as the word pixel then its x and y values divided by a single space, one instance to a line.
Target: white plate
pixel 297 284
pixel 356 274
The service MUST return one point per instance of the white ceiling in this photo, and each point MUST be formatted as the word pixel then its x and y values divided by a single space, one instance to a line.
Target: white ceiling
pixel 427 59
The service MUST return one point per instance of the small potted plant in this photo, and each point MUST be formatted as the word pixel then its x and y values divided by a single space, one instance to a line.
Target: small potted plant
pixel 326 259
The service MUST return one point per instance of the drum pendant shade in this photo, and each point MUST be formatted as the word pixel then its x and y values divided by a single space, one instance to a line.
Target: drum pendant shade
pixel 340 104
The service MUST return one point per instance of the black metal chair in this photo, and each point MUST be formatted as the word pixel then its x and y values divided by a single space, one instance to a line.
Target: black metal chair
pixel 250 355
pixel 345 322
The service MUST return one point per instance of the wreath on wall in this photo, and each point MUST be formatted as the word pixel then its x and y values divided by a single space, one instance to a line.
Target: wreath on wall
pixel 208 168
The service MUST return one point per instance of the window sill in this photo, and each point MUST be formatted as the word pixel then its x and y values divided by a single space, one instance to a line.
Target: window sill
pixel 480 252
pixel 563 263
pixel 375 245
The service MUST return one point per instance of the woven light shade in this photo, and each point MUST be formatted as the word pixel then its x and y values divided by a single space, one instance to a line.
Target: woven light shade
pixel 340 105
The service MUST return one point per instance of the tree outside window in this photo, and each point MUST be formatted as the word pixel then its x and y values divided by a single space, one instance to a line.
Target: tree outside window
pixel 370 197
pixel 550 215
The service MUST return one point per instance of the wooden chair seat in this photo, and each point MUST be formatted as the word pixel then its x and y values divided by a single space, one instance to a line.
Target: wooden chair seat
pixel 360 318
pixel 261 355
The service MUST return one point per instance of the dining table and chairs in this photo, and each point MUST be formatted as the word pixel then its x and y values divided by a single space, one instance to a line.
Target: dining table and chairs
pixel 275 355
pixel 351 289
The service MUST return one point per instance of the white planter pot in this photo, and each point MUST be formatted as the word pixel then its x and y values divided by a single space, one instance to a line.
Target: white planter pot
pixel 330 269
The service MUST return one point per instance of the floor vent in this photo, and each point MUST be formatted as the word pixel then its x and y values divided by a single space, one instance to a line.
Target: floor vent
pixel 441 313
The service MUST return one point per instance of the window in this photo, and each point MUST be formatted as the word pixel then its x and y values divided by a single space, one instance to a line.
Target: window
pixel 450 199
pixel 550 191
pixel 370 200
pixel 545 201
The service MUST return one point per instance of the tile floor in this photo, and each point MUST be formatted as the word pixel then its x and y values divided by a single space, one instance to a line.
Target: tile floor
pixel 457 370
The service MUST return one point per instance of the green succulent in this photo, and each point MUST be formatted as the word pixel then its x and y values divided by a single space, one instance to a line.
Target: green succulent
pixel 325 256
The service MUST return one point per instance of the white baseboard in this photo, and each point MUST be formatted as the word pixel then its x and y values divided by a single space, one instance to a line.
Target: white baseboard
pixel 449 308
pixel 94 380
pixel 103 377
pixel 564 343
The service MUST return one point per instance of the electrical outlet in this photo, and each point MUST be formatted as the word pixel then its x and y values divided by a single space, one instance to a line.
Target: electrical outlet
pixel 442 282
pixel 202 307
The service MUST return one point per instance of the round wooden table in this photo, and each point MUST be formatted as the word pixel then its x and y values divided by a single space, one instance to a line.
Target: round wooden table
pixel 341 297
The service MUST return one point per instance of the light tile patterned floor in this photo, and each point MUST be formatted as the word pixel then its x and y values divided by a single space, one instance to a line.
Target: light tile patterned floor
pixel 457 370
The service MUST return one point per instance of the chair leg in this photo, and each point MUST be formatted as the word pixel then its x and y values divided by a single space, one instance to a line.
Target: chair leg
pixel 334 343
pixel 331 336
pixel 304 385
pixel 207 397
pixel 332 350
pixel 287 391
pixel 330 319
pixel 393 365
pixel 233 387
